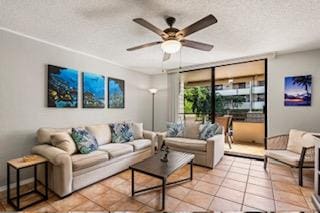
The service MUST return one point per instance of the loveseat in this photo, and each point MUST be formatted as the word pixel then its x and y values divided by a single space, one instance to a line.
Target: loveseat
pixel 207 152
pixel 71 172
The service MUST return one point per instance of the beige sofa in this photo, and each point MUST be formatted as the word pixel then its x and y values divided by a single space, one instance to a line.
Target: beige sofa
pixel 68 173
pixel 207 152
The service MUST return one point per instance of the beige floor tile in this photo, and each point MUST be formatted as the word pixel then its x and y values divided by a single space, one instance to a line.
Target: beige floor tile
pixel 206 187
pixel 190 184
pixel 40 207
pixel 285 171
pixel 199 199
pixel 257 168
pixel 241 165
pixel 69 203
pixel 280 186
pixel 239 170
pixel 200 169
pixel 226 162
pixel 187 207
pixel 290 198
pixel 146 209
pixel 234 184
pixel 112 181
pixel 260 182
pixel 93 190
pixel 125 175
pixel 259 174
pixel 212 179
pixel 257 163
pixel 259 190
pixel 230 194
pixel 310 203
pixel 223 167
pixel 218 172
pixel 198 175
pixel 88 206
pixel 219 204
pixel 107 200
pixel 282 178
pixel 259 202
pixel 281 206
pixel 237 176
pixel 243 160
pixel 171 203
pixel 125 187
pixel 146 197
pixel 178 192
pixel 250 209
pixel 307 192
pixel 126 204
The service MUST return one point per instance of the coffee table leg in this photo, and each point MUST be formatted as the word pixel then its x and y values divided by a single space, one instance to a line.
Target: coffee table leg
pixel 191 169
pixel 164 183
pixel 132 182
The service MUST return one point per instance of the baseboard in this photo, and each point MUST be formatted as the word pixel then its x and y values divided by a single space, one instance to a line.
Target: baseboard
pixel 13 185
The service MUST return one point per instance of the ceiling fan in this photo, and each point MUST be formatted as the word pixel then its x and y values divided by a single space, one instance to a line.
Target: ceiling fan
pixel 173 38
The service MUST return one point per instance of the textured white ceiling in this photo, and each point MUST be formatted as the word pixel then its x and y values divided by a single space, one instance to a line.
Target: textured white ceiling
pixel 104 28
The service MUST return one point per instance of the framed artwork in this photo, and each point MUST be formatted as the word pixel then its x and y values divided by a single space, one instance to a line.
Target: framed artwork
pixel 62 87
pixel 116 93
pixel 298 90
pixel 93 90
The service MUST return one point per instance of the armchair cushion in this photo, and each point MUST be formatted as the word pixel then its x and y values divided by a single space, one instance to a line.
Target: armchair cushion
pixel 299 139
pixel 187 143
pixel 286 156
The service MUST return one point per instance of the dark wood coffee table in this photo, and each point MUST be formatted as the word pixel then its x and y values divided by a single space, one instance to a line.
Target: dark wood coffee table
pixel 154 167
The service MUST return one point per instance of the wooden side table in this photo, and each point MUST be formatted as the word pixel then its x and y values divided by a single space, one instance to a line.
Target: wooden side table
pixel 19 164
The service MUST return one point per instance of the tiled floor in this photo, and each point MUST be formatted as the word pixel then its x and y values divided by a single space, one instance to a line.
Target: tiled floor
pixel 236 184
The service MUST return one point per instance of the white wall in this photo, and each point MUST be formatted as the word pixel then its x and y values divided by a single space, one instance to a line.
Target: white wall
pixel 161 101
pixel 281 118
pixel 23 94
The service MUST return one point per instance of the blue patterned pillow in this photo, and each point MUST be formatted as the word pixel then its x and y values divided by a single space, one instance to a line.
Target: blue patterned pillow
pixel 175 129
pixel 121 133
pixel 209 130
pixel 85 142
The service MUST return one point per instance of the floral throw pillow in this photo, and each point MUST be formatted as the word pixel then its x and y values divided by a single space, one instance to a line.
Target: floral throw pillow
pixel 175 129
pixel 85 142
pixel 209 130
pixel 121 133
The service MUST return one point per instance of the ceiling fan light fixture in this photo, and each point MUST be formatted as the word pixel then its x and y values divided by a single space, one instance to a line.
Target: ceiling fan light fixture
pixel 171 46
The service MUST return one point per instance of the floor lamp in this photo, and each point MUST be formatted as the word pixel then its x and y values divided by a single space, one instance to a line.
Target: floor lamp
pixel 153 92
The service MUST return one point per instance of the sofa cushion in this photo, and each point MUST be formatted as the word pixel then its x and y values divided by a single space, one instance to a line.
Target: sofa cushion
pixel 287 156
pixel 137 129
pixel 83 161
pixel 101 132
pixel 116 149
pixel 192 129
pixel 187 143
pixel 121 132
pixel 85 142
pixel 44 134
pixel 175 129
pixel 140 144
pixel 63 140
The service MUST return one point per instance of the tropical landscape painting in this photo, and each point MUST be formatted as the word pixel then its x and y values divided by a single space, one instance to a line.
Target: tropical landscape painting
pixel 116 93
pixel 298 91
pixel 62 87
pixel 93 90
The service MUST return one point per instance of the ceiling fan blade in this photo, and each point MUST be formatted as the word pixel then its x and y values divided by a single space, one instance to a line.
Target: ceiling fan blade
pixel 199 25
pixel 166 57
pixel 144 45
pixel 151 27
pixel 197 45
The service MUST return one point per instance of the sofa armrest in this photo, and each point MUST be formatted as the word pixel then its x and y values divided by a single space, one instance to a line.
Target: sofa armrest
pixel 277 142
pixel 54 155
pixel 60 168
pixel 151 136
pixel 215 149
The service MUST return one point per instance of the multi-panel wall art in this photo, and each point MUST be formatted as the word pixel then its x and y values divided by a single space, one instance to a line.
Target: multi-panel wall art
pixel 116 93
pixel 298 90
pixel 62 87
pixel 93 90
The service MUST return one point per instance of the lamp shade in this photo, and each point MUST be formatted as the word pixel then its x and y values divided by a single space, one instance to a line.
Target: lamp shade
pixel 153 91
pixel 171 46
